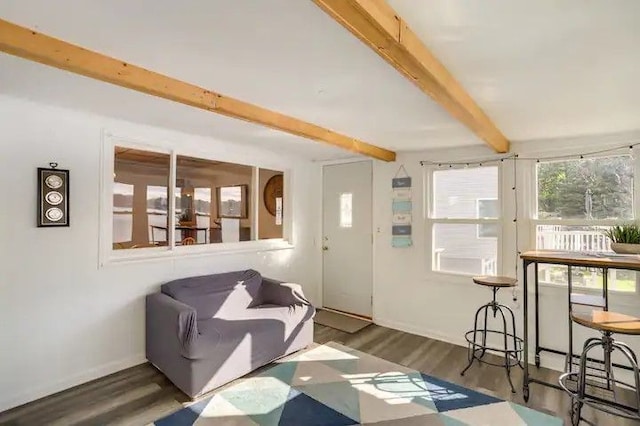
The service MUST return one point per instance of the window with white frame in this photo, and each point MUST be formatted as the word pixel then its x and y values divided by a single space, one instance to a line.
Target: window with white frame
pixel 488 208
pixel 464 219
pixel 576 201
pixel 212 202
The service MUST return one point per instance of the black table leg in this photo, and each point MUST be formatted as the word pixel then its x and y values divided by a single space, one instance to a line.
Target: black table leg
pixel 537 314
pixel 605 287
pixel 569 360
pixel 525 309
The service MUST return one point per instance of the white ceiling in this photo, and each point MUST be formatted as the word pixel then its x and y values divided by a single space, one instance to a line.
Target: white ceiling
pixel 39 83
pixel 540 69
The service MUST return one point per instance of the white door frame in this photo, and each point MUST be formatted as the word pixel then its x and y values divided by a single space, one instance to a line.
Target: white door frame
pixel 321 236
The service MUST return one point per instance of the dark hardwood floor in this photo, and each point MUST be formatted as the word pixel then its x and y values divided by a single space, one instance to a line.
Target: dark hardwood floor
pixel 140 395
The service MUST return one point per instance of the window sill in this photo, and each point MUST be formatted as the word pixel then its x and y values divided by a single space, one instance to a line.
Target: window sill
pixel 151 254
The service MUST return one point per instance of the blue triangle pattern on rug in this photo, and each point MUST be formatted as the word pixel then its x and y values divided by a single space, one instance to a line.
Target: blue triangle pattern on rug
pixel 341 397
pixel 185 417
pixel 283 371
pixel 362 390
pixel 304 410
pixel 449 396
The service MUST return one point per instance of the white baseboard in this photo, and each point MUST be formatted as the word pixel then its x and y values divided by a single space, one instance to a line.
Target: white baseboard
pixel 42 390
pixel 550 361
pixel 414 329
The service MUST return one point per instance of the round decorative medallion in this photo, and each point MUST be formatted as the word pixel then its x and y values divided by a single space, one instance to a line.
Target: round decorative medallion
pixel 53 181
pixel 272 190
pixel 54 214
pixel 54 198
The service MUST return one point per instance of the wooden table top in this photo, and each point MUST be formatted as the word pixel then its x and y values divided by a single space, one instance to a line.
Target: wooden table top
pixel 609 321
pixel 594 260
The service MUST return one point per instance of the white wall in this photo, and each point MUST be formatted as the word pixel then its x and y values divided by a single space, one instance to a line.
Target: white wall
pixel 410 297
pixel 64 320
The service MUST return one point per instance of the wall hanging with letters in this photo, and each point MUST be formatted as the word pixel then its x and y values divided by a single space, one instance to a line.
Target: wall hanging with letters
pixel 53 196
pixel 401 208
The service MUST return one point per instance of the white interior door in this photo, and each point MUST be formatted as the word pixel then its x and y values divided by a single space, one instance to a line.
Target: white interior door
pixel 347 237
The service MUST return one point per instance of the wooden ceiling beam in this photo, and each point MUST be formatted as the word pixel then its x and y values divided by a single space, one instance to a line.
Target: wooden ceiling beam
pixel 28 44
pixel 376 24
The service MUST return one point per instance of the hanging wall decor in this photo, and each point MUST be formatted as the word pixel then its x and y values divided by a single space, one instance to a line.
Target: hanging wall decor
pixel 53 196
pixel 401 208
pixel 272 192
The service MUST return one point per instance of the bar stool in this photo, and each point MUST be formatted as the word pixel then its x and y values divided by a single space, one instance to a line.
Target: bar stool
pixel 477 338
pixel 607 323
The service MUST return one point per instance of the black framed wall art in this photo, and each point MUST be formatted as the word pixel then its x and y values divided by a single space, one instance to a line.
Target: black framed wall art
pixel 53 197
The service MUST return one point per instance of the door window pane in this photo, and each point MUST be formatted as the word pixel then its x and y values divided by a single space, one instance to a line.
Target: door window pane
pixel 271 203
pixel 212 201
pixel 597 188
pixel 346 210
pixel 140 208
pixel 458 249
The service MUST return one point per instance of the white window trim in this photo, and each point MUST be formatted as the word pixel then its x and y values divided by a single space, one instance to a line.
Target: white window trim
pixel 533 220
pixel 430 221
pixel 107 255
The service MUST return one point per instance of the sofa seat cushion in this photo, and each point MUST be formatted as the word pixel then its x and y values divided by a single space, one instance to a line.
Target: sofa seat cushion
pixel 291 316
pixel 269 328
pixel 219 294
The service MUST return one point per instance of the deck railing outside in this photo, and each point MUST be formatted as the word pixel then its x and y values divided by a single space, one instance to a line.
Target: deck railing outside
pixel 589 241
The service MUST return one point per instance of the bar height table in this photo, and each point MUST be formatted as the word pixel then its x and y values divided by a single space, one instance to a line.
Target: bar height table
pixel 603 261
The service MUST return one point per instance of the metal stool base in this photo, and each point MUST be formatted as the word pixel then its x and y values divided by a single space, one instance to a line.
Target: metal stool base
pixel 581 398
pixel 511 350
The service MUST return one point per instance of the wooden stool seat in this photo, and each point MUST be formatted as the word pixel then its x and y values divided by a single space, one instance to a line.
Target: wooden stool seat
pixel 491 281
pixel 608 321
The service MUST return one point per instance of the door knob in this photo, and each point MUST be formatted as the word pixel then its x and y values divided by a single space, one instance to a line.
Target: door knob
pixel 325 248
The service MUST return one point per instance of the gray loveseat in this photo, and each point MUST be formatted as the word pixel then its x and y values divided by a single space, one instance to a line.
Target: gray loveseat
pixel 203 332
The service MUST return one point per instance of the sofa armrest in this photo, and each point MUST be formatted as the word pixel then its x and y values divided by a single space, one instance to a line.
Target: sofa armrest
pixel 171 326
pixel 281 293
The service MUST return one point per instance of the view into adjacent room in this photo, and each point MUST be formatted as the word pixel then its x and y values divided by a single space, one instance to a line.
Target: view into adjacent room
pixel 215 201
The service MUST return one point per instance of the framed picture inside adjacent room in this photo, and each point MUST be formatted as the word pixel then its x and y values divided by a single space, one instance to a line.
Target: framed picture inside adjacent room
pixel 53 197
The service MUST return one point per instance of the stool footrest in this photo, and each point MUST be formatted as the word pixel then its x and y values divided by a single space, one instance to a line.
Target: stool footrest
pixel 483 333
pixel 600 404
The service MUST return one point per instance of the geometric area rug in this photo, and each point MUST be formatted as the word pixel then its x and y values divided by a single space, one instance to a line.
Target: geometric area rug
pixel 333 385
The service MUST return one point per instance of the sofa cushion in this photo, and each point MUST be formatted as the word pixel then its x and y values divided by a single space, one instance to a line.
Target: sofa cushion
pixel 290 316
pixel 217 294
pixel 265 330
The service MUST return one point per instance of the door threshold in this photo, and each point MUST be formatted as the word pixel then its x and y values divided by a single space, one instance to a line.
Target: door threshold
pixel 348 314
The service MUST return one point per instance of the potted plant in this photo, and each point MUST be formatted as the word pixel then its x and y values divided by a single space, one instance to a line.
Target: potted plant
pixel 625 239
